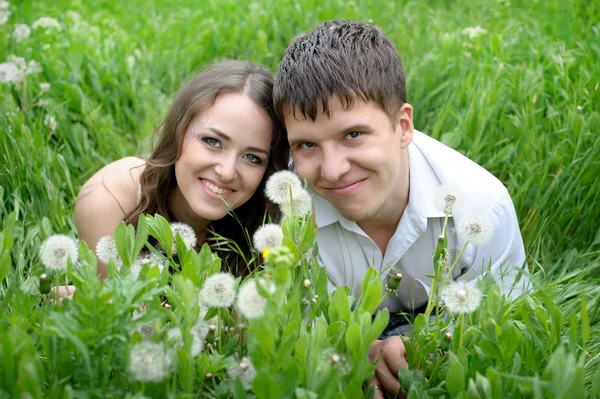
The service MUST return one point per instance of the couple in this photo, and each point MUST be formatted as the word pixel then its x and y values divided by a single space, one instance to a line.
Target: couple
pixel 339 103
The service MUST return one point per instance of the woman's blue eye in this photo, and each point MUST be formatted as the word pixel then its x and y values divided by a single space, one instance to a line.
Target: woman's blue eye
pixel 211 142
pixel 253 158
pixel 307 144
pixel 353 135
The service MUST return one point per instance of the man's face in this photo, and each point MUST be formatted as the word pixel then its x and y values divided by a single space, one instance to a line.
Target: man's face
pixel 356 159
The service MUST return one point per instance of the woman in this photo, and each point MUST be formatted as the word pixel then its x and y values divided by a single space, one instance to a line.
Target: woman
pixel 218 145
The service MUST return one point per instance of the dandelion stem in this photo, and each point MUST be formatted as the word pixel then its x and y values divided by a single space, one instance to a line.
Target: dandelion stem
pixel 462 332
pixel 220 337
pixel 449 275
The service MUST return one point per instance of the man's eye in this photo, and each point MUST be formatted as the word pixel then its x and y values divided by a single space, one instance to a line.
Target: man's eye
pixel 353 135
pixel 211 141
pixel 307 145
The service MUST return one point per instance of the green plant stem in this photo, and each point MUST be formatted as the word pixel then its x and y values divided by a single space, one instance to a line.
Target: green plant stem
pixel 449 274
pixel 219 337
pixel 462 332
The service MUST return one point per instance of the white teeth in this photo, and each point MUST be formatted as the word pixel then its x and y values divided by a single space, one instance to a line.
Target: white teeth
pixel 215 189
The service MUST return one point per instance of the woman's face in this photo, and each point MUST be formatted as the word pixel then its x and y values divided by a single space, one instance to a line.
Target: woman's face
pixel 224 157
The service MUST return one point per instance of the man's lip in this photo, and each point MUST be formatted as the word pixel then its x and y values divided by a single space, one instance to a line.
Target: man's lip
pixel 216 183
pixel 345 189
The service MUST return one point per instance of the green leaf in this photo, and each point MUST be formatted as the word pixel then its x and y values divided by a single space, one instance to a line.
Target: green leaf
pixel 455 379
pixel 302 393
pixel 4 265
pixel 371 290
pixel 141 236
pixel 265 386
pixel 354 339
pixel 341 304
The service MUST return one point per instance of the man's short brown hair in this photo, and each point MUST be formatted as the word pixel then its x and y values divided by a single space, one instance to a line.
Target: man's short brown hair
pixel 351 60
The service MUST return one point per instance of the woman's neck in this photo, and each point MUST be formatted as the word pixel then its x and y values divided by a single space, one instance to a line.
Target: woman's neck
pixel 182 212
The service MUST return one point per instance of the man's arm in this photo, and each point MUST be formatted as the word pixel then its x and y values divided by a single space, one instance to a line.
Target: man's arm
pixel 503 254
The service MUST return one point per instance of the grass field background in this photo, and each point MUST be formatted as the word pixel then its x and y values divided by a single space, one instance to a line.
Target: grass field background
pixel 522 99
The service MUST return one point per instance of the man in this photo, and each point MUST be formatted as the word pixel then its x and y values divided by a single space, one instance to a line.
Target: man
pixel 341 92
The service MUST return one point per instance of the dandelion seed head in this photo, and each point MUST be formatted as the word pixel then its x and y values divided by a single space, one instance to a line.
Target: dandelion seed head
pixel 280 184
pixel 245 371
pixel 149 362
pixel 106 249
pixel 33 67
pixel 146 259
pixel 218 291
pixel 56 250
pixel 268 236
pixel 4 16
pixel 460 298
pixel 449 199
pixel 50 121
pixel 250 302
pixel 21 32
pixel 44 87
pixel 10 73
pixel 477 229
pixel 301 205
pixel 474 31
pixel 187 234
pixel 4 5
pixel 47 23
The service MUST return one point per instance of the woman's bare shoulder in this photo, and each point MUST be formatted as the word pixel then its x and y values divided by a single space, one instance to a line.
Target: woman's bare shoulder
pixel 118 180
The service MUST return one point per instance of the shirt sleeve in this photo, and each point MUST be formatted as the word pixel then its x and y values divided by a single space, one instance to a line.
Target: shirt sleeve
pixel 503 256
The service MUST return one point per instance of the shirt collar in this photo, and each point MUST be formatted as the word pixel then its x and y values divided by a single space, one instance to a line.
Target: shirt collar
pixel 424 186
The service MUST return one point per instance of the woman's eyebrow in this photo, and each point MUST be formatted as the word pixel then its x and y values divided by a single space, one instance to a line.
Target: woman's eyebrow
pixel 227 138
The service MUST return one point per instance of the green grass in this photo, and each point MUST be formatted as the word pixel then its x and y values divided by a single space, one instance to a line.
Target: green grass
pixel 508 99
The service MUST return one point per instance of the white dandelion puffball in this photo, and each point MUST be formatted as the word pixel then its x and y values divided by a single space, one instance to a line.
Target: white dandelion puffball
pixel 10 73
pixel 250 303
pixel 300 206
pixel 187 234
pixel 268 236
pixel 4 5
pixel 147 259
pixel 44 87
pixel 56 250
pixel 50 121
pixel 245 371
pixel 33 67
pixel 218 291
pixel 149 362
pixel 474 31
pixel 281 184
pixel 450 199
pixel 106 249
pixel 460 298
pixel 174 335
pixel 477 229
pixel 21 32
pixel 4 15
pixel 47 23
pixel 199 332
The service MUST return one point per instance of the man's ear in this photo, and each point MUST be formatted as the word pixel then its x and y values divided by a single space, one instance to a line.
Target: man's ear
pixel 405 124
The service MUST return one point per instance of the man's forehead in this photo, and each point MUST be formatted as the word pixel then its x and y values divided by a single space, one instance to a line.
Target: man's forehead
pixel 325 110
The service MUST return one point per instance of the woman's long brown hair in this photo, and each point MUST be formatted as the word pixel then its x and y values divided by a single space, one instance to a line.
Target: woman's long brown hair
pixel 158 178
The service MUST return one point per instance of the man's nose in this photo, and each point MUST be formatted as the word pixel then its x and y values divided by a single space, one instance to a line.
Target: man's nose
pixel 334 164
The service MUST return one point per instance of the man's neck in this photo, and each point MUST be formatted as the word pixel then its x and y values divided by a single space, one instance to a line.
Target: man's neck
pixel 382 226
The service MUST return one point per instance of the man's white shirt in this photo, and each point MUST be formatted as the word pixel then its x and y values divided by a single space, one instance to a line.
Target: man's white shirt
pixel 347 252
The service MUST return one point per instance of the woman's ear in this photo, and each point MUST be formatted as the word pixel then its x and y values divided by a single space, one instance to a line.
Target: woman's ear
pixel 405 124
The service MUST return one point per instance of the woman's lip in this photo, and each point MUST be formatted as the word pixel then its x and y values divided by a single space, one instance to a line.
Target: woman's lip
pixel 213 195
pixel 346 189
pixel 216 183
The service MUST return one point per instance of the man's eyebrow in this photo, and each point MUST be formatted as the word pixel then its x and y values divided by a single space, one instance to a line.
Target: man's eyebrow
pixel 227 138
pixel 358 127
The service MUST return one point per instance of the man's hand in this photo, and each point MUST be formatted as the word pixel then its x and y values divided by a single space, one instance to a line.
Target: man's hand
pixel 389 358
pixel 64 291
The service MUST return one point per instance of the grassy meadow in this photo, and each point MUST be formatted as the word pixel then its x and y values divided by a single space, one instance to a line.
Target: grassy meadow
pixel 521 98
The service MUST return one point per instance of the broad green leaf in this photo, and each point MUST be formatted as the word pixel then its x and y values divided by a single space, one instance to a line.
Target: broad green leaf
pixel 455 379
